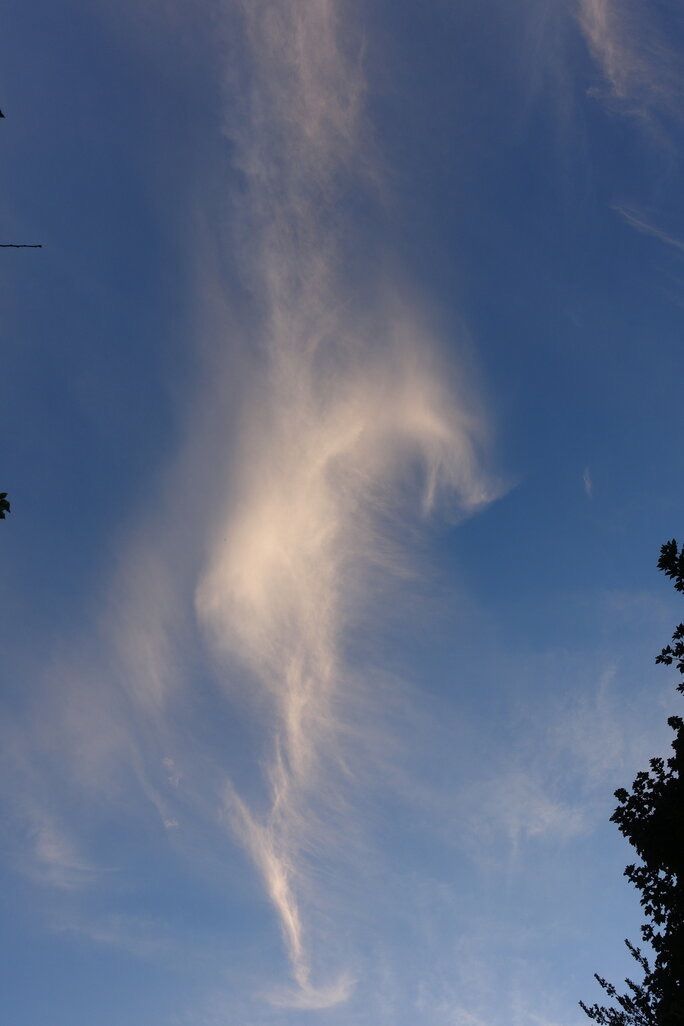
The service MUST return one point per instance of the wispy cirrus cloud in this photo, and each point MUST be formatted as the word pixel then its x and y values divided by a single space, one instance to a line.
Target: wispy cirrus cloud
pixel 630 45
pixel 350 415
pixel 308 480
pixel 57 861
pixel 516 807
pixel 588 483
pixel 637 220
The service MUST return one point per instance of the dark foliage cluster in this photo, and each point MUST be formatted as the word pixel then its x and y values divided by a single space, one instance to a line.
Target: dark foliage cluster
pixel 4 505
pixel 651 817
pixel 671 562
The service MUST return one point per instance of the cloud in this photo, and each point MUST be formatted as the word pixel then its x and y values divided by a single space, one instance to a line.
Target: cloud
pixel 332 428
pixel 588 483
pixel 573 746
pixel 492 978
pixel 143 938
pixel 629 43
pixel 44 845
pixel 352 415
pixel 57 861
pixel 517 806
pixel 636 220
pixel 309 998
pixel 596 738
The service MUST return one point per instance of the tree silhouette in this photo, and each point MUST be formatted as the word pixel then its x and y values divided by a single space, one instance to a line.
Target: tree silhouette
pixel 651 817
pixel 4 505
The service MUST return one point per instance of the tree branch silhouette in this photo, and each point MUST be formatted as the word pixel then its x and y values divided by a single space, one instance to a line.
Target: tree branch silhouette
pixel 651 817
pixel 19 245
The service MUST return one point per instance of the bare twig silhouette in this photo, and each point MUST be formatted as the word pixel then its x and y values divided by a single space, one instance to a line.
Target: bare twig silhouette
pixel 19 245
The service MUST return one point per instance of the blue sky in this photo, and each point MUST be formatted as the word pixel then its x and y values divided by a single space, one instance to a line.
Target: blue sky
pixel 342 428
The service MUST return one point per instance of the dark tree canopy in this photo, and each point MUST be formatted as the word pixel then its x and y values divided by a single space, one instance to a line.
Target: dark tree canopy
pixel 4 505
pixel 651 817
pixel 671 562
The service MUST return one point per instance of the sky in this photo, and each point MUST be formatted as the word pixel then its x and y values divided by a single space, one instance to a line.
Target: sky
pixel 342 427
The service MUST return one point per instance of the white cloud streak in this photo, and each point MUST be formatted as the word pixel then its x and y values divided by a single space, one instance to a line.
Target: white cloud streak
pixel 57 862
pixel 353 425
pixel 522 809
pixel 351 411
pixel 44 847
pixel 588 483
pixel 630 45
pixel 637 221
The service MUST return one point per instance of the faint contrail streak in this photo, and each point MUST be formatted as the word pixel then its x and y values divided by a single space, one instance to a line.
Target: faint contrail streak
pixel 351 406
